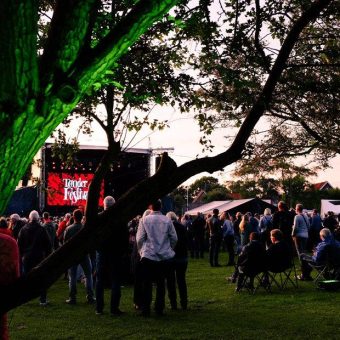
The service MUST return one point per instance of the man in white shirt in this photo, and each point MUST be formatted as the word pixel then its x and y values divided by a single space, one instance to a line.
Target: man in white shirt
pixel 156 238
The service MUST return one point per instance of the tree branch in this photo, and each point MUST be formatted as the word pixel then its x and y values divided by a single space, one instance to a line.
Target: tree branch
pixel 95 186
pixel 18 53
pixel 258 26
pixel 93 64
pixel 68 33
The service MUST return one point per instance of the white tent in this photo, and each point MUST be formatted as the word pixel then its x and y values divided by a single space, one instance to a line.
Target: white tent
pixel 205 208
pixel 330 205
pixel 227 205
pixel 250 204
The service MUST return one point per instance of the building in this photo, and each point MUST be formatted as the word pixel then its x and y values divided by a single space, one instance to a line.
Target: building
pixel 322 186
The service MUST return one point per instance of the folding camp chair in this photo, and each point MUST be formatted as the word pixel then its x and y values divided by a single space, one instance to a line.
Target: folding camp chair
pixel 330 270
pixel 258 282
pixel 325 272
pixel 281 279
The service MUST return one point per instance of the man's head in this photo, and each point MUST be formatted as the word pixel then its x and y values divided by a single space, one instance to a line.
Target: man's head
pixel 67 217
pixel 215 212
pixel 282 206
pixel 109 201
pixel 254 236
pixel 156 205
pixel 46 215
pixel 33 216
pixel 14 218
pixel 276 235
pixel 299 208
pixel 172 216
pixel 324 233
pixel 315 212
pixel 77 215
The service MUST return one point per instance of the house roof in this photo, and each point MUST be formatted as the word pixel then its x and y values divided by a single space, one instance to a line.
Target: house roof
pixel 322 185
pixel 199 196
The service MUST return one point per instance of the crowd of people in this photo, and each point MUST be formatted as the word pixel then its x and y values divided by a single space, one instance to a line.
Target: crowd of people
pixel 159 246
pixel 264 242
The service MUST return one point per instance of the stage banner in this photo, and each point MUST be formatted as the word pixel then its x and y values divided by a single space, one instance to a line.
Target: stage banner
pixel 69 189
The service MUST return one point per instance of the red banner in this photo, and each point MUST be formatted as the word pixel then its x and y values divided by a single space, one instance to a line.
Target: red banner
pixel 70 190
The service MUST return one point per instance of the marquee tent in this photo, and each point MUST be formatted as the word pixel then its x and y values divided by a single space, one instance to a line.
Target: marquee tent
pixel 254 205
pixel 330 205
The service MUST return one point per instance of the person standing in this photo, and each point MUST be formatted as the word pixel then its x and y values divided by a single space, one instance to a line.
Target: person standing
pixel 330 221
pixel 61 228
pixel 283 219
pixel 85 264
pixel 237 236
pixel 266 225
pixel 179 266
pixel 51 229
pixel 34 245
pixel 137 269
pixel 198 229
pixel 245 230
pixel 215 232
pixel 109 258
pixel 315 228
pixel 300 230
pixel 156 238
pixel 228 238
pixel 15 224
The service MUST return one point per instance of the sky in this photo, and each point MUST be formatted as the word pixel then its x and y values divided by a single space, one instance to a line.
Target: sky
pixel 183 136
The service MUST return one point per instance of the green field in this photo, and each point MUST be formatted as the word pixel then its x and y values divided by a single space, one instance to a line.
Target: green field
pixel 215 312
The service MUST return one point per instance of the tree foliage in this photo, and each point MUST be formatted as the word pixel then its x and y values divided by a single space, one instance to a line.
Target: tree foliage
pixel 240 41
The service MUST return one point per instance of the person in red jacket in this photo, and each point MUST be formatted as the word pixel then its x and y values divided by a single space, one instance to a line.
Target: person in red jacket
pixel 9 271
pixel 61 228
pixel 4 227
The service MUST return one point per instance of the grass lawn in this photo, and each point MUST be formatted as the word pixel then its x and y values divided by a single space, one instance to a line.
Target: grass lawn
pixel 215 312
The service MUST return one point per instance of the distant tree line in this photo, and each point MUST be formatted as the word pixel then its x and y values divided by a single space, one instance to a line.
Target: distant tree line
pixel 296 189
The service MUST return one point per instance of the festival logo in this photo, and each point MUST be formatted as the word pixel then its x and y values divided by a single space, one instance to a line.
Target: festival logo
pixel 67 189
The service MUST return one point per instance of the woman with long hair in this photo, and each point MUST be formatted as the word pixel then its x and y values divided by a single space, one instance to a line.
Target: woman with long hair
pixel 245 230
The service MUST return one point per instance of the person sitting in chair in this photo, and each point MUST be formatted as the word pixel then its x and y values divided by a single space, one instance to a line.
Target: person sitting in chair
pixel 251 262
pixel 278 254
pixel 327 250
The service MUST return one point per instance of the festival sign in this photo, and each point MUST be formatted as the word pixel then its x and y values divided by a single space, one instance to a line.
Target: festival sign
pixel 69 189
